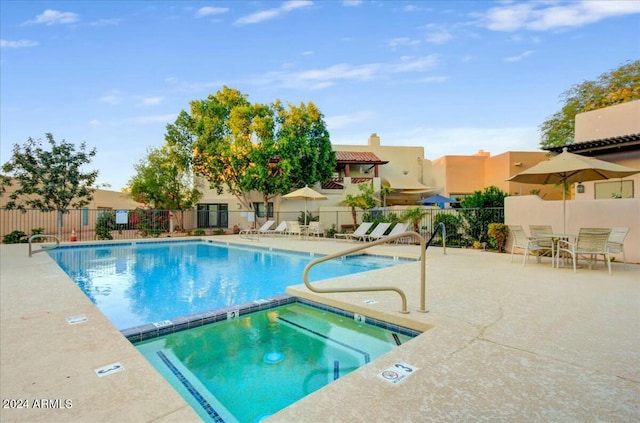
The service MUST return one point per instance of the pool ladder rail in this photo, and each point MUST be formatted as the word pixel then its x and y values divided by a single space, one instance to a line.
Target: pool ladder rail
pixel 423 261
pixel 44 247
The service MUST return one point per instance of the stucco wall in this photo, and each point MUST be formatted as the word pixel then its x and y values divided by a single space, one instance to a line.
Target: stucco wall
pixel 532 210
pixel 621 119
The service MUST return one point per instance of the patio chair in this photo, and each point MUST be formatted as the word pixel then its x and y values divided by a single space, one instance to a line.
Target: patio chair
pixel 315 229
pixel 260 231
pixel 360 231
pixel 376 233
pixel 399 228
pixel 523 242
pixel 591 242
pixel 542 236
pixel 279 230
pixel 616 243
pixel 293 228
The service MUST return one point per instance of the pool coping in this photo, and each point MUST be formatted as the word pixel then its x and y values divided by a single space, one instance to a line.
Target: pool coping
pixel 154 330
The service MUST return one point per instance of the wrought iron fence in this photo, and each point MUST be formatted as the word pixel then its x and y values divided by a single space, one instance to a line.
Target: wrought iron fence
pixel 463 226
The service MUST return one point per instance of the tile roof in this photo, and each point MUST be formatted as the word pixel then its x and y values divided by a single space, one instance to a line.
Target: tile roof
pixel 622 143
pixel 358 157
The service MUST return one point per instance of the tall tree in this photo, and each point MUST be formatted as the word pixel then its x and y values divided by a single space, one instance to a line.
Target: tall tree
pixel 617 86
pixel 164 180
pixel 50 179
pixel 242 147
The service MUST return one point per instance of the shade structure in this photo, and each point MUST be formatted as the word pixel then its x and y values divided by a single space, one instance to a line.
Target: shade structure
pixel 437 199
pixel 305 194
pixel 568 168
pixel 405 184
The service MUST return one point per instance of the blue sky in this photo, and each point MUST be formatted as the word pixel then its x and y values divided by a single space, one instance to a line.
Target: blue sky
pixel 451 76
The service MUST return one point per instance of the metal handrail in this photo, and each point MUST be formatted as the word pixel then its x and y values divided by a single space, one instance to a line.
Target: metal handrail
pixel 423 255
pixel 440 226
pixel 43 248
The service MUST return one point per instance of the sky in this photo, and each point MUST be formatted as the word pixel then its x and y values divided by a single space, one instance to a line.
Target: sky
pixel 453 77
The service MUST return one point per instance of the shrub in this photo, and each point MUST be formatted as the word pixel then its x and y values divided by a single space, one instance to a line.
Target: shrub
pixel 451 224
pixel 498 233
pixel 105 223
pixel 15 237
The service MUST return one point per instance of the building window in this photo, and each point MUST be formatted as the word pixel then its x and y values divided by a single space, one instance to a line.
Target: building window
pixel 259 208
pixel 613 189
pixel 213 215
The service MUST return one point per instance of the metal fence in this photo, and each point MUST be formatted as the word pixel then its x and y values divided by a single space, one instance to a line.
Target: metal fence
pixel 463 226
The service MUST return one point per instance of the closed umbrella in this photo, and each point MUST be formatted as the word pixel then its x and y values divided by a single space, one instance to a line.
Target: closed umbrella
pixel 568 168
pixel 305 194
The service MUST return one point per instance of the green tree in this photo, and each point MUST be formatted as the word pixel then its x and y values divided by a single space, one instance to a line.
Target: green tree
pixel 415 216
pixel 364 200
pixel 614 87
pixel 242 147
pixel 482 208
pixel 49 179
pixel 164 180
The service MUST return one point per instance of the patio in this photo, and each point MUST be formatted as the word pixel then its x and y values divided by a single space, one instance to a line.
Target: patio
pixel 507 343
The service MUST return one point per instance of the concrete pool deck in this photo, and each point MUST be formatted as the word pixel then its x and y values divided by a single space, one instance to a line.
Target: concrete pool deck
pixel 507 343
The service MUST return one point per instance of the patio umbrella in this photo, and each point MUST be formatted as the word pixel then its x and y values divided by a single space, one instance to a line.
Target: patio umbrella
pixel 568 168
pixel 305 194
pixel 437 199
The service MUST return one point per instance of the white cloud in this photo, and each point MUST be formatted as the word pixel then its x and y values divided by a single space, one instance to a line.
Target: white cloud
pixel 543 16
pixel 151 101
pixel 52 17
pixel 111 99
pixel 269 14
pixel 402 42
pixel 208 11
pixel 341 121
pixel 145 120
pixel 519 57
pixel 106 22
pixel 437 34
pixel 17 44
pixel 94 122
pixel 326 77
pixel 352 3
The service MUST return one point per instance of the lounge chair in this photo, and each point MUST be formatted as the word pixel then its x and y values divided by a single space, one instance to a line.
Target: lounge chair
pixel 360 231
pixel 279 230
pixel 293 228
pixel 399 228
pixel 260 231
pixel 376 233
pixel 616 243
pixel 315 229
pixel 591 242
pixel 523 242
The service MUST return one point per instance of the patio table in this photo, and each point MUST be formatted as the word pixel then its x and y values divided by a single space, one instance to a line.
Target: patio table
pixel 555 250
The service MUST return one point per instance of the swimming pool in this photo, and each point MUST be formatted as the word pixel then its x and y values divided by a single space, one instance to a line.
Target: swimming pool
pixel 254 365
pixel 139 283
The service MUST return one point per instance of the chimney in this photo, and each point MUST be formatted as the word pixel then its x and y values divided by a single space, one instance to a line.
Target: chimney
pixel 374 140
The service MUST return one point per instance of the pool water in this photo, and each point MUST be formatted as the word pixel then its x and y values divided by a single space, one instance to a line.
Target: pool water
pixel 139 283
pixel 257 364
